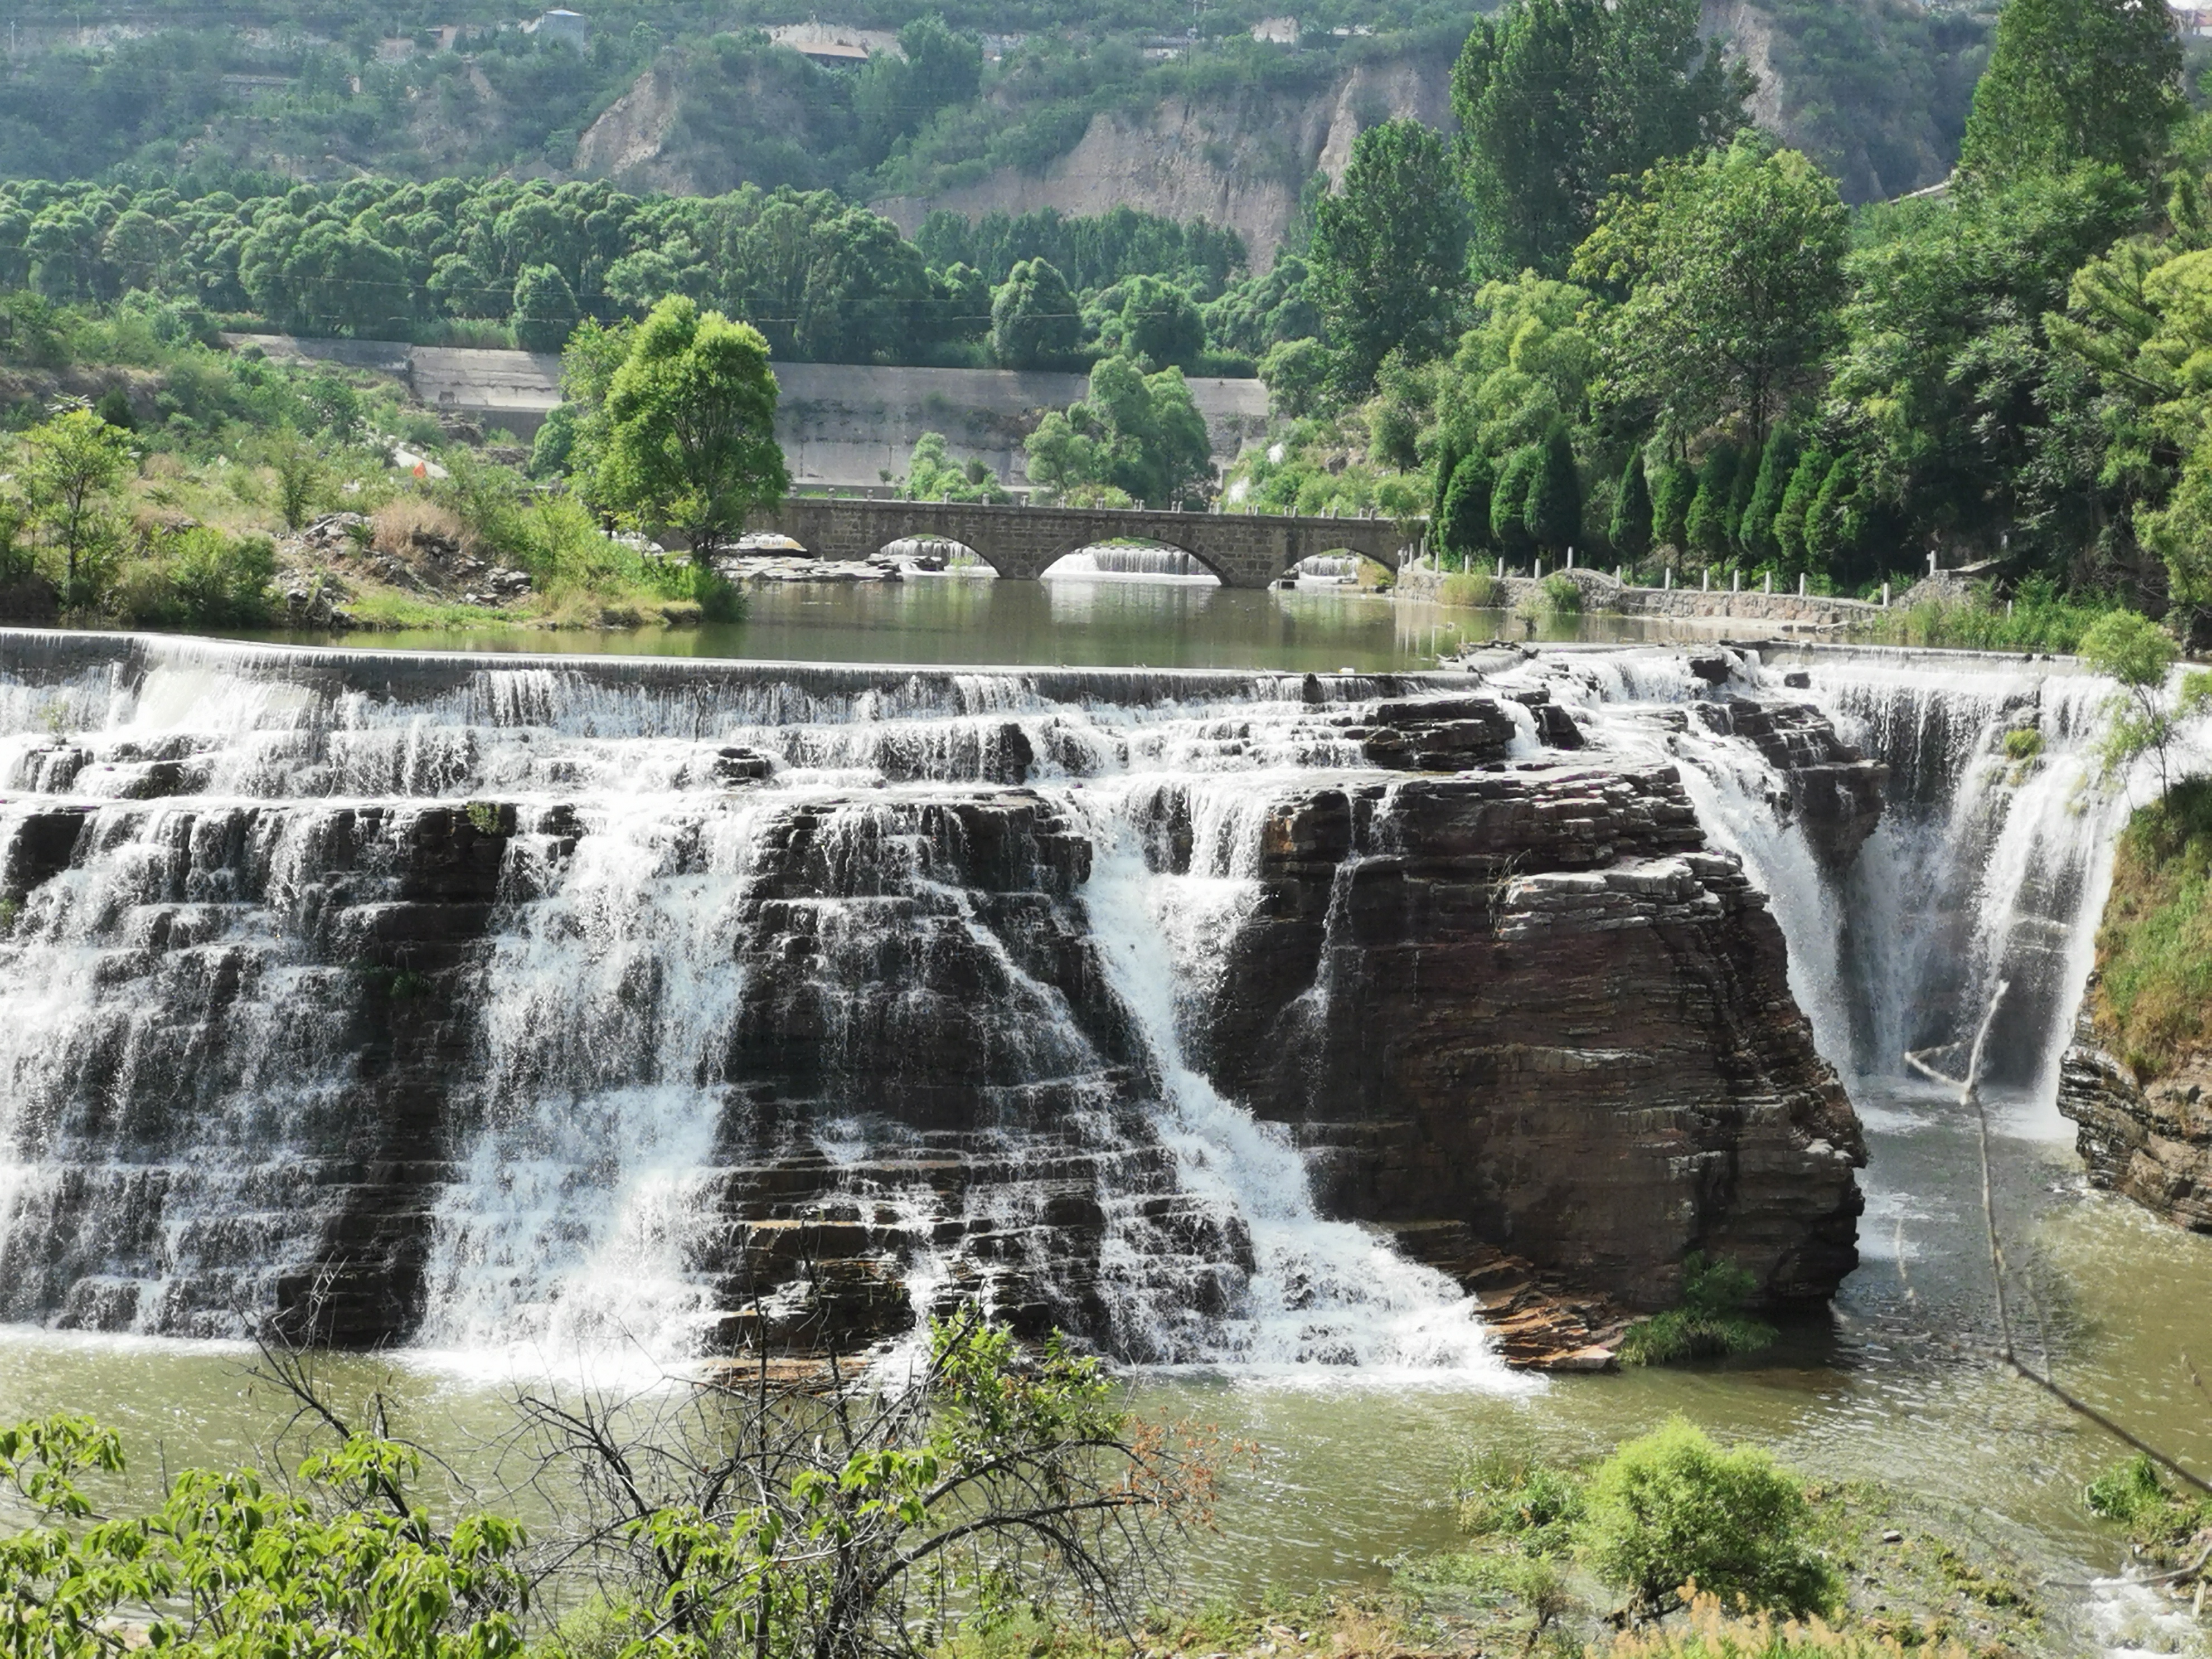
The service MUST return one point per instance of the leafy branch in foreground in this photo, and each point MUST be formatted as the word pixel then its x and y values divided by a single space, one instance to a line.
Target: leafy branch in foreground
pixel 855 1520
pixel 831 1520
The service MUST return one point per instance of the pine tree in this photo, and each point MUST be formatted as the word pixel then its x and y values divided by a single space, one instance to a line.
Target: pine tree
pixel 1555 495
pixel 1631 511
pixel 1741 484
pixel 1755 535
pixel 1805 480
pixel 1706 527
pixel 1464 524
pixel 1509 503
pixel 1832 522
pixel 1670 505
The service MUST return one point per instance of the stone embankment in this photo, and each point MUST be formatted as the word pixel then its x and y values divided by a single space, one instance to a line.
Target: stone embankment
pixel 1602 591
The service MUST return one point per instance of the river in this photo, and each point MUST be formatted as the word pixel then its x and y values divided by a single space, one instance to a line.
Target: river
pixel 1897 1385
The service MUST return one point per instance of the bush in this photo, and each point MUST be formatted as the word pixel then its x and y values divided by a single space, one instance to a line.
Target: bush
pixel 2155 1517
pixel 1561 594
pixel 1710 1322
pixel 1672 1508
pixel 1476 589
pixel 1505 1493
pixel 198 578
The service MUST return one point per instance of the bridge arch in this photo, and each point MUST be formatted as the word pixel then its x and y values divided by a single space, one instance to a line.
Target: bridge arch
pixel 1150 538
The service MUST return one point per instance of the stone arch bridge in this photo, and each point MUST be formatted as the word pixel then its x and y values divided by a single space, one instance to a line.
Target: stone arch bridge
pixel 1243 550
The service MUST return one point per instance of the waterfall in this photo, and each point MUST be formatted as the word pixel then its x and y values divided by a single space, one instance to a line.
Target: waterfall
pixel 1986 866
pixel 662 1006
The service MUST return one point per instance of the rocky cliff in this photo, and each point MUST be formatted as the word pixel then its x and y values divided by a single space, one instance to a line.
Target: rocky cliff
pixel 792 1039
pixel 1239 160
pixel 2151 1144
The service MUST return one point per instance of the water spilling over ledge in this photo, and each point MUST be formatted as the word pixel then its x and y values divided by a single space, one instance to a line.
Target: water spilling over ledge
pixel 1263 1020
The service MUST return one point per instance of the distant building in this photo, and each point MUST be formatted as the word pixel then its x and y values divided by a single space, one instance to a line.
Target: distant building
pixel 568 27
pixel 835 45
pixel 1276 31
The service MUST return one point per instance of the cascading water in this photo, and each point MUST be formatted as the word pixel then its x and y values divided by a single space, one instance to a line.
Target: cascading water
pixel 1988 863
pixel 668 1007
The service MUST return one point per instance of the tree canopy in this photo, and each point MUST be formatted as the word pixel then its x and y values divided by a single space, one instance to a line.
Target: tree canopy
pixel 1556 99
pixel 2071 82
pixel 690 427
pixel 1733 267
pixel 1387 246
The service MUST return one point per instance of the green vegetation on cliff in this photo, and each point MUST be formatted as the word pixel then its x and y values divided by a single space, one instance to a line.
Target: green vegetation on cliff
pixel 2152 1003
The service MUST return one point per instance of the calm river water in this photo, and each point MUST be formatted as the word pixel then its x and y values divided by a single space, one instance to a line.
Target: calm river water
pixel 1078 622
pixel 1896 1385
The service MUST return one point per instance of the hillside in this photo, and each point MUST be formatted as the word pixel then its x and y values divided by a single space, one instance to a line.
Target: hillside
pixel 1076 118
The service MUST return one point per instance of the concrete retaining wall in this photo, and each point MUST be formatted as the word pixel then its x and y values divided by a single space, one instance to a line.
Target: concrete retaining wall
pixel 840 424
pixel 1602 592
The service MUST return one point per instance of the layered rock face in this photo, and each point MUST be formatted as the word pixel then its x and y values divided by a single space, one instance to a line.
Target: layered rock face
pixel 2151 1145
pixel 1537 1003
pixel 512 1007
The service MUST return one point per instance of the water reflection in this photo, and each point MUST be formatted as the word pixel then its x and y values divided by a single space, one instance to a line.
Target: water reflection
pixel 1083 622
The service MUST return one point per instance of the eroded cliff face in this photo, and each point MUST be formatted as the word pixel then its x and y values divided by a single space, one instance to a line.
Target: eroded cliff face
pixel 2153 1144
pixel 1537 1003
pixel 1194 1020
pixel 1238 161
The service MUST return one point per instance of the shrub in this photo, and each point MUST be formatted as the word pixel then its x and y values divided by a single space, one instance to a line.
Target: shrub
pixel 1499 1492
pixel 2023 742
pixel 1476 589
pixel 1562 595
pixel 1672 1508
pixel 198 578
pixel 1710 1322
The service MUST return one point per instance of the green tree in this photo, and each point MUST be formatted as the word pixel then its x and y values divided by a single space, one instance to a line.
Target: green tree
pixel 2075 80
pixel 1733 267
pixel 1525 365
pixel 1630 530
pixel 1804 488
pixel 690 427
pixel 1035 320
pixel 1463 524
pixel 2144 716
pixel 1555 495
pixel 1137 433
pixel 1705 526
pixel 1755 533
pixel 1161 324
pixel 298 467
pixel 1834 519
pixel 544 308
pixel 1388 244
pixel 1508 503
pixel 1556 99
pixel 72 465
pixel 1672 497
pixel 1296 373
pixel 1672 1506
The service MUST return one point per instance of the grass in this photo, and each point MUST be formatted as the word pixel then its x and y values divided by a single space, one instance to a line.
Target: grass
pixel 1711 1322
pixel 2154 947
pixel 2037 618
pixel 1713 1633
pixel 1476 590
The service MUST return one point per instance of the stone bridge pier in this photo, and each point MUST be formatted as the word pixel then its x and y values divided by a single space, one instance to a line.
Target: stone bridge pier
pixel 1022 543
